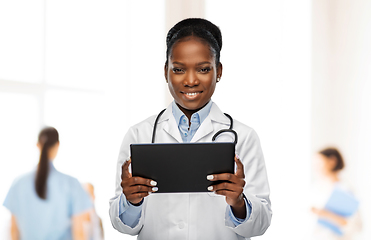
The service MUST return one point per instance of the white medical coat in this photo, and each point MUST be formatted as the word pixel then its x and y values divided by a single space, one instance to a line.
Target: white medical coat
pixel 197 215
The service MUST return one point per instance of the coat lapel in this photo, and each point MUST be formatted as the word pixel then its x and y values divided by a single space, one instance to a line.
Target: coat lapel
pixel 170 126
pixel 172 129
pixel 207 125
pixel 206 128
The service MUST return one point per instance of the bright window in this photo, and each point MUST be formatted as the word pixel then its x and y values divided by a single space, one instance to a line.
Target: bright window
pixel 86 68
pixel 22 40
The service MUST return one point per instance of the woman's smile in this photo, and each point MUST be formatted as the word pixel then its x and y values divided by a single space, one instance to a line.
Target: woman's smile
pixel 191 95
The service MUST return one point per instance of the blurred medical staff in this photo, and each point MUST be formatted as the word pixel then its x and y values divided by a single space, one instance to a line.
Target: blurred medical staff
pixel 331 191
pixel 93 226
pixel 45 203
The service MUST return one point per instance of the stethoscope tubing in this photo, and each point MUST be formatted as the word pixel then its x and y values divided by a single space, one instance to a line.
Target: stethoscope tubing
pixel 215 135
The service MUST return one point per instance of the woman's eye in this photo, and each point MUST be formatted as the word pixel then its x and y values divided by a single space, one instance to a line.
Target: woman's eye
pixel 177 70
pixel 205 70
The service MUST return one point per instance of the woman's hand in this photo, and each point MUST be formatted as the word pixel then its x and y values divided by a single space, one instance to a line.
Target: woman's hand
pixel 14 231
pixel 330 216
pixel 233 189
pixel 79 222
pixel 135 188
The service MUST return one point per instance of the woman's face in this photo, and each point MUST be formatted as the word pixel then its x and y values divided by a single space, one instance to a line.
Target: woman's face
pixel 325 164
pixel 191 73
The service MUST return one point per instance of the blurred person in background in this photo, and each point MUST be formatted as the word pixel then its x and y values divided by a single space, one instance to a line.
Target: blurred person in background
pixel 334 205
pixel 93 226
pixel 45 203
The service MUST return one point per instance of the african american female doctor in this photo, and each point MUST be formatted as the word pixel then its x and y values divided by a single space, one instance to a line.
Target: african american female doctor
pixel 192 70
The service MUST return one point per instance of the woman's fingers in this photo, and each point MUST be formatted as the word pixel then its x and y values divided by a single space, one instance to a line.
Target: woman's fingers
pixel 135 188
pixel 136 193
pixel 239 172
pixel 228 194
pixel 125 170
pixel 226 186
pixel 232 185
pixel 137 197
pixel 233 178
pixel 137 182
pixel 232 192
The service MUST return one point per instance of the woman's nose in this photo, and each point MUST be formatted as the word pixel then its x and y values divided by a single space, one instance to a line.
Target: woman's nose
pixel 191 79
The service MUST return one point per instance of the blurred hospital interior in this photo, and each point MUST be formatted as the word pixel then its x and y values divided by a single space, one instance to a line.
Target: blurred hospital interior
pixel 297 71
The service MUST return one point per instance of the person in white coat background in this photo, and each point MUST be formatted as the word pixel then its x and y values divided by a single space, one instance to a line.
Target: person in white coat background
pixel 330 166
pixel 241 208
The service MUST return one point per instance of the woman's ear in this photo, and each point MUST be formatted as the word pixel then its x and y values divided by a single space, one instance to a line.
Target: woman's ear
pixel 165 72
pixel 219 70
pixel 53 151
pixel 332 161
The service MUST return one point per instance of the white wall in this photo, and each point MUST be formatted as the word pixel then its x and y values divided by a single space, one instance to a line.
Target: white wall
pixel 266 84
pixel 341 84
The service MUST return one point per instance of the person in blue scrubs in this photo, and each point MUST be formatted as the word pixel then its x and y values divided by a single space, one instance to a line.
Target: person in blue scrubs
pixel 45 203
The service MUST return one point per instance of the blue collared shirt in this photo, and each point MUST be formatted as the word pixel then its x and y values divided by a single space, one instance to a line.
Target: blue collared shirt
pixel 188 131
pixel 130 214
pixel 49 218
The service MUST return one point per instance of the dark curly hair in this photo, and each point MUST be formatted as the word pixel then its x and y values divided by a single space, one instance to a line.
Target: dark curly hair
pixel 197 27
pixel 335 154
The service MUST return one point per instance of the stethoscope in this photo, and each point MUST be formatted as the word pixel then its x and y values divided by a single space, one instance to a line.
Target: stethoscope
pixel 230 130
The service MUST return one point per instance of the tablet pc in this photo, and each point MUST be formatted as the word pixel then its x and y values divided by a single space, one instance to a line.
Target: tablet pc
pixel 182 167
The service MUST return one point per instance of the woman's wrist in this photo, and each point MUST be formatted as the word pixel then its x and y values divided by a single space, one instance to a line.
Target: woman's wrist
pixel 239 209
pixel 137 204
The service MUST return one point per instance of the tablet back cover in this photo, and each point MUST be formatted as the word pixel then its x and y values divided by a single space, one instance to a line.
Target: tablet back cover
pixel 182 167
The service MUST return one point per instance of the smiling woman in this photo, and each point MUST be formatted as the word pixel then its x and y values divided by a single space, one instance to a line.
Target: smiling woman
pixel 192 71
pixel 241 211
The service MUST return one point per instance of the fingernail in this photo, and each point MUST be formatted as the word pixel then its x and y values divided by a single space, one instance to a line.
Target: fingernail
pixel 237 157
pixel 155 189
pixel 210 177
pixel 210 188
pixel 153 183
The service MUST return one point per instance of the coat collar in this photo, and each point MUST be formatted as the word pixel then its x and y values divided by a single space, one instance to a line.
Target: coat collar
pixel 171 127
